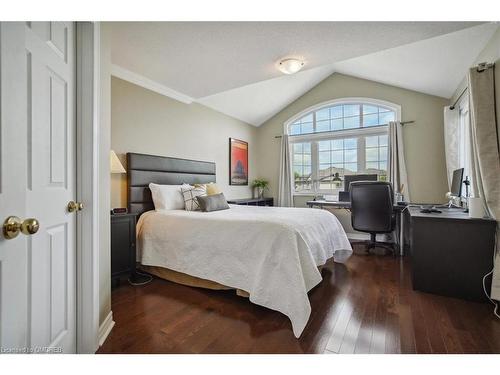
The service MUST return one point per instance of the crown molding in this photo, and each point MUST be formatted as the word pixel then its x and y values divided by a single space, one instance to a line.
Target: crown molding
pixel 137 79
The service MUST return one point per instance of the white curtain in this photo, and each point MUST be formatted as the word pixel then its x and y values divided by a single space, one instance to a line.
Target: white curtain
pixel 451 138
pixel 397 165
pixel 485 153
pixel 285 193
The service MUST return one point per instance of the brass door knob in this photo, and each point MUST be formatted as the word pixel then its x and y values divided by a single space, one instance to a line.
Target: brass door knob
pixel 13 225
pixel 75 206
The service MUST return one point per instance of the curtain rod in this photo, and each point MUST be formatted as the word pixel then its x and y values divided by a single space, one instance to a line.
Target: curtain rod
pixel 480 68
pixel 452 107
pixel 401 122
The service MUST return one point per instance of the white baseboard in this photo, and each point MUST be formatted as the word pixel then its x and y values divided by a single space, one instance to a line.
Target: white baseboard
pixel 105 328
pixel 358 236
pixel 365 237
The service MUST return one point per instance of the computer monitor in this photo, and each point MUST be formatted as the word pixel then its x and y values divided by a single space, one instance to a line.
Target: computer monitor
pixel 456 182
pixel 358 177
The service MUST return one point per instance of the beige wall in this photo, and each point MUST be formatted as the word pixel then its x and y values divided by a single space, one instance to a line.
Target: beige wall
pixel 424 142
pixel 146 122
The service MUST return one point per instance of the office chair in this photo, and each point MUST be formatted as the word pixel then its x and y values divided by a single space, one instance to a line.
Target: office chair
pixel 372 210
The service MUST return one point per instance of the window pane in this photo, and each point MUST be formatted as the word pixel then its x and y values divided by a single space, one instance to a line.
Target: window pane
pixel 295 129
pixel 382 140
pixel 323 114
pixel 337 144
pixel 352 167
pixel 371 165
pixel 336 111
pixel 367 109
pixel 307 127
pixel 302 165
pixel 383 165
pixel 337 124
pixel 350 156
pixel 384 109
pixel 351 110
pixel 350 143
pixel 337 156
pixel 383 153
pixel 307 118
pixel 325 170
pixel 372 141
pixel 338 168
pixel 323 126
pixel 386 117
pixel 297 147
pixel 370 120
pixel 372 154
pixel 324 157
pixel 351 122
pixel 324 145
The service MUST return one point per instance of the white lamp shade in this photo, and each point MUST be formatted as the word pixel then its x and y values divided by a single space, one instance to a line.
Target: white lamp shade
pixel 115 165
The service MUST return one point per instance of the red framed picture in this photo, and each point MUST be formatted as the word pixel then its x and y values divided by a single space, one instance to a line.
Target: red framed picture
pixel 238 162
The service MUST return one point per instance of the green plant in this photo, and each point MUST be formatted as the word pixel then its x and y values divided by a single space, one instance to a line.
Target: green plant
pixel 260 183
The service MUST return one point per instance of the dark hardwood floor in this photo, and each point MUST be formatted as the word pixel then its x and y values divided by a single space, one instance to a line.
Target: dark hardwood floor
pixel 364 306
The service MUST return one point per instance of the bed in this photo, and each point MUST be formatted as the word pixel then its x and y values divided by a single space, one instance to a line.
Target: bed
pixel 270 254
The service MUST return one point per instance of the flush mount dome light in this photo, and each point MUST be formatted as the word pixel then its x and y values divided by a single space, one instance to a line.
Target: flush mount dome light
pixel 290 66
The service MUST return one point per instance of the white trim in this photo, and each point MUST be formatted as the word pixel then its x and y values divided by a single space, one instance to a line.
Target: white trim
pixel 87 119
pixel 105 328
pixel 351 100
pixel 358 236
pixel 345 133
pixel 137 79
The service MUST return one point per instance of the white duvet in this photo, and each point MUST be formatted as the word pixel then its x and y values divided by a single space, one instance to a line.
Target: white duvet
pixel 272 253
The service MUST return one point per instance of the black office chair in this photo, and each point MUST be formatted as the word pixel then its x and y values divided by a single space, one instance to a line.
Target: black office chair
pixel 372 210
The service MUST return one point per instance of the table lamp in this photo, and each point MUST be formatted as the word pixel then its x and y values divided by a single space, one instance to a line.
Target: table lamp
pixel 116 167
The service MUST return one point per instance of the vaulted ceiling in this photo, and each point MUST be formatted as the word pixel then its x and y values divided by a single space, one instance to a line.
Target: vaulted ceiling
pixel 231 66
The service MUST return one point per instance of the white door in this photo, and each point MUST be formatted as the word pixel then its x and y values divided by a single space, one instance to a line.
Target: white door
pixel 37 180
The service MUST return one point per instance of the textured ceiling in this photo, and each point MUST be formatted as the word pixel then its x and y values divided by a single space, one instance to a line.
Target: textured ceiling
pixel 230 66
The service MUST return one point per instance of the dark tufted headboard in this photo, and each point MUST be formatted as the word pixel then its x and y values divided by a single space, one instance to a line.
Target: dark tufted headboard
pixel 143 169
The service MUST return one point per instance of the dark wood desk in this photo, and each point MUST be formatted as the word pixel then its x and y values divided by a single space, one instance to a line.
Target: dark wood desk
pixel 451 252
pixel 346 205
pixel 400 230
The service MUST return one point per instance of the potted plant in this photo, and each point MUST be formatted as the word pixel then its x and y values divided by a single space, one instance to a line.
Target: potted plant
pixel 261 185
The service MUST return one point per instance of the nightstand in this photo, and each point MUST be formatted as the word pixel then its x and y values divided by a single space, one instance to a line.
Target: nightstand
pixel 253 201
pixel 123 245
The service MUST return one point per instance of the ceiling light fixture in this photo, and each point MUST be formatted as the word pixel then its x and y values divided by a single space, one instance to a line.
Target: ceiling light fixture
pixel 290 66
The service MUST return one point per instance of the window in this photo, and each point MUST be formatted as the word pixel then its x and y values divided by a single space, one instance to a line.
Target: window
pixel 339 139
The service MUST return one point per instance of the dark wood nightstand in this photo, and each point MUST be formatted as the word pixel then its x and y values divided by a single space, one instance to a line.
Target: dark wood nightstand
pixel 253 201
pixel 123 245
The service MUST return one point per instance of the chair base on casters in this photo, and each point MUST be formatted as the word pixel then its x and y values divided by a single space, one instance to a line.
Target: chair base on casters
pixel 372 243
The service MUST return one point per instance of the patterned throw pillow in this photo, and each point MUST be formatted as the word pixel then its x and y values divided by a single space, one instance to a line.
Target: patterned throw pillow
pixel 190 193
pixel 212 188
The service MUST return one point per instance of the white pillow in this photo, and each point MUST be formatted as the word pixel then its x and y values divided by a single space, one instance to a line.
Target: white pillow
pixel 167 197
pixel 190 193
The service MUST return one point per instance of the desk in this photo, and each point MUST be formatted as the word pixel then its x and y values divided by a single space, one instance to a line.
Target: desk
pixel 451 252
pixel 347 205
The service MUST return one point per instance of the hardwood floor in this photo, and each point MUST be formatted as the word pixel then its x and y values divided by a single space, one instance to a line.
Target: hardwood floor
pixel 364 306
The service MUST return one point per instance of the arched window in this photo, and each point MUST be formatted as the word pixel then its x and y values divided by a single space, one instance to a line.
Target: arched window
pixel 338 138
